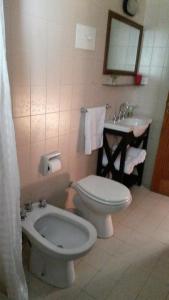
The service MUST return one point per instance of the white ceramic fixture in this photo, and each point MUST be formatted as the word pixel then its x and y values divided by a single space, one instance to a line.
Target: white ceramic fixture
pixel 97 198
pixel 57 238
pixel 136 124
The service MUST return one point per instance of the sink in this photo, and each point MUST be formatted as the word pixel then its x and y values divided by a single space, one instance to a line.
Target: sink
pixel 136 124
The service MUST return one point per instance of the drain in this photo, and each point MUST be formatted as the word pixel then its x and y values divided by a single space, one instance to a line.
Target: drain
pixel 58 245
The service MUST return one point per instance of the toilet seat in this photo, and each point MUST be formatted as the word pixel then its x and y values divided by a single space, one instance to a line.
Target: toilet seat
pixel 104 190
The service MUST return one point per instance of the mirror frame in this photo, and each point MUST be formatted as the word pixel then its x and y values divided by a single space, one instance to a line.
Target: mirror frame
pixel 113 15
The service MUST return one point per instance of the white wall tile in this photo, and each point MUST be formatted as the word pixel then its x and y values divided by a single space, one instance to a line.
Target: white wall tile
pixel 58 78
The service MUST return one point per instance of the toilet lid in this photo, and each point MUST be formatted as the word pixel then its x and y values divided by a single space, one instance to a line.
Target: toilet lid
pixel 104 190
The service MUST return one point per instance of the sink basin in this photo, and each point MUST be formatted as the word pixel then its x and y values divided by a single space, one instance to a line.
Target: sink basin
pixel 136 124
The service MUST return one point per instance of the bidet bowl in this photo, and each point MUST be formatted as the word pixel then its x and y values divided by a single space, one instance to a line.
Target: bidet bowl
pixel 59 232
pixel 57 237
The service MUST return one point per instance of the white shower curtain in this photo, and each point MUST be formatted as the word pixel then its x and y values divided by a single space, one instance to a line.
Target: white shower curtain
pixel 11 270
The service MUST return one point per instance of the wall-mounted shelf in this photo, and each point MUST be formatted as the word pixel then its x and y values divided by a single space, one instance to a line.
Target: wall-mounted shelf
pixel 122 84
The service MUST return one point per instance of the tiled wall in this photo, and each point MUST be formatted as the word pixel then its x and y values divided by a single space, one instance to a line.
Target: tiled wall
pixel 151 99
pixel 51 80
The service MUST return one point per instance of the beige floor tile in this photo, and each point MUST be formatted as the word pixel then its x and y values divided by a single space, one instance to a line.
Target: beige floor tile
pixel 140 191
pixel 113 246
pixel 138 239
pixel 96 258
pixel 153 290
pixel 131 236
pixel 144 198
pixel 3 297
pixel 131 265
pixel 164 253
pixel 135 218
pixel 151 222
pixel 164 225
pixel 119 216
pixel 119 294
pixel 141 259
pixel 35 297
pixel 38 289
pixel 129 285
pixel 100 286
pixel 84 274
pixel 83 296
pixel 160 271
pixel 161 234
pixel 123 233
pixel 104 280
pixel 64 294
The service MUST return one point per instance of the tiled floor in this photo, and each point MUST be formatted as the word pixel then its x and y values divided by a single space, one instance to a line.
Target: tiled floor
pixel 132 265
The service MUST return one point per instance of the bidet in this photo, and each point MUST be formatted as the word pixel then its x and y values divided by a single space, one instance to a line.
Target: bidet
pixel 57 238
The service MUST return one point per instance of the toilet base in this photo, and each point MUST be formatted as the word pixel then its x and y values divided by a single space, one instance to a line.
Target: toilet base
pixel 103 223
pixel 57 272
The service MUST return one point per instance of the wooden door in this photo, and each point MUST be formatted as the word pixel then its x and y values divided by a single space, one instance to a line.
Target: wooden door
pixel 160 182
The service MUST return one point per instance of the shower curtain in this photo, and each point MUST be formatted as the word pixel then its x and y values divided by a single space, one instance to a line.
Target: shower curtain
pixel 11 269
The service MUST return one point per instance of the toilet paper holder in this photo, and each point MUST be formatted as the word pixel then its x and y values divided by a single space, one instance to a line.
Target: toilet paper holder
pixel 44 167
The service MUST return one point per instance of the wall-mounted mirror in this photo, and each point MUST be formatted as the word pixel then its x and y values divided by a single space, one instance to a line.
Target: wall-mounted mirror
pixel 123 45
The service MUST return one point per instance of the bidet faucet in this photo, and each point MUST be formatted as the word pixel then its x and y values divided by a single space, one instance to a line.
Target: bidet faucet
pixel 23 214
pixel 28 206
pixel 42 203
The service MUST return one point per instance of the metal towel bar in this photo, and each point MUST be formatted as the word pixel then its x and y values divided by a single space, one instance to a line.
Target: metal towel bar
pixel 84 109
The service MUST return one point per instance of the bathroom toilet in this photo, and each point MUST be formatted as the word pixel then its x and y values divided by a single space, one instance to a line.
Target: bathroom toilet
pixel 97 198
pixel 57 238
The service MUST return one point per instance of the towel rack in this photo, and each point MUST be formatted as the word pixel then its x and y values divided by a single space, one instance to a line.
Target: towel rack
pixel 84 109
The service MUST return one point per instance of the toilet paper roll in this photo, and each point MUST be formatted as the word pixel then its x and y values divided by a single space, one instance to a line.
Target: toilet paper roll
pixel 54 165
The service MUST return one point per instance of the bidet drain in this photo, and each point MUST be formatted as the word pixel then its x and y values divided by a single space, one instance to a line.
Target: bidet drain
pixel 58 245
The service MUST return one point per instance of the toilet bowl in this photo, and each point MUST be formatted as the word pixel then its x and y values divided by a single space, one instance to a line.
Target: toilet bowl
pixel 57 238
pixel 97 198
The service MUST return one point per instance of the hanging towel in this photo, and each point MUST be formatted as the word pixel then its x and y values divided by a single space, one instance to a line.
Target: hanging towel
pixel 94 125
pixel 134 156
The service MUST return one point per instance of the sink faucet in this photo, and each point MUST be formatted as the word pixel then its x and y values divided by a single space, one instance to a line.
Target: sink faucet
pixel 28 206
pixel 123 111
pixel 131 109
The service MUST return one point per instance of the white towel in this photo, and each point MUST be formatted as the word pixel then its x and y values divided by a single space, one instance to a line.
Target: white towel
pixel 134 156
pixel 94 125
